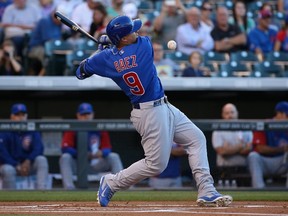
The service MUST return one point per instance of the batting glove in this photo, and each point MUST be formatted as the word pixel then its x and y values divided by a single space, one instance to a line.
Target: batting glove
pixel 104 42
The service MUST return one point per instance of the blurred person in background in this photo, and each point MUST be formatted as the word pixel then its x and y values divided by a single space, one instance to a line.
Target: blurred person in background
pixel 100 155
pixel 173 14
pixel 68 6
pixel 240 18
pixel 232 147
pixel 270 151
pixel 281 43
pixel 262 38
pixel 227 37
pixel 83 13
pixel 18 21
pixel 206 13
pixel 3 5
pixel 282 6
pixel 165 67
pixel 21 153
pixel 99 21
pixel 116 8
pixel 48 28
pixel 46 7
pixel 196 67
pixel 10 63
pixel 274 23
pixel 201 40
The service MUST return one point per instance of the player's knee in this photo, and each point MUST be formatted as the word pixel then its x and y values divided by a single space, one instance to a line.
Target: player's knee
pixel 114 156
pixel 253 156
pixel 41 162
pixel 8 170
pixel 65 157
pixel 156 167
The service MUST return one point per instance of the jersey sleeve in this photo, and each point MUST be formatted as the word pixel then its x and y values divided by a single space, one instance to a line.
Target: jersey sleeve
pixel 68 144
pixel 105 144
pixel 5 156
pixel 95 64
pixel 259 138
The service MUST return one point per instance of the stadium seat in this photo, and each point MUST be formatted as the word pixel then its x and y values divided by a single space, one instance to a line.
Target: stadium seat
pixel 278 58
pixel 88 46
pixel 267 69
pixel 55 56
pixel 233 69
pixel 245 57
pixel 145 6
pixel 73 60
pixel 180 58
pixel 216 58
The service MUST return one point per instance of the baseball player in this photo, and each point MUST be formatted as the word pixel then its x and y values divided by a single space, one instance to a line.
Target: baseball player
pixel 21 153
pixel 129 63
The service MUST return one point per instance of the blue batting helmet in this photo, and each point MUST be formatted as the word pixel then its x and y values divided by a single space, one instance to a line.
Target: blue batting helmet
pixel 121 26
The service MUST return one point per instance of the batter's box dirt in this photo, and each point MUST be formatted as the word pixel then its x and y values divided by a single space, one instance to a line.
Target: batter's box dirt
pixel 170 208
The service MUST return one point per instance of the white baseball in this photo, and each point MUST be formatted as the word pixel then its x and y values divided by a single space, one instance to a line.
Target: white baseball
pixel 172 44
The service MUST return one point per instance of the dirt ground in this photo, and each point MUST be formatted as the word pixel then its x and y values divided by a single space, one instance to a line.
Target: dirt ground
pixel 143 208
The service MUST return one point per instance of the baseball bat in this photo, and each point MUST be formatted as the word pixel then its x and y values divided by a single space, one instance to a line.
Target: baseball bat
pixel 74 26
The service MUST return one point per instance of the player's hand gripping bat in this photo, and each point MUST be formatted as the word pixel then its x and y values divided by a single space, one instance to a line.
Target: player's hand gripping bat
pixel 75 27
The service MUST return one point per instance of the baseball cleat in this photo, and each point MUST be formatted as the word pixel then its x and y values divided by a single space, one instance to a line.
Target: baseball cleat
pixel 216 200
pixel 105 193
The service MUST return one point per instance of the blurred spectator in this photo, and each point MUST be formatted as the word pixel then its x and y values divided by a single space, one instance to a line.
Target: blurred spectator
pixel 232 147
pixel 281 43
pixel 270 154
pixel 240 18
pixel 206 13
pixel 46 7
pixel 10 63
pixel 67 6
pixel 21 153
pixel 171 176
pixel 3 5
pixel 172 15
pixel 48 28
pixel 83 13
pixel 227 37
pixel 130 10
pixel 196 68
pixel 116 8
pixel 18 21
pixel 274 23
pixel 282 6
pixel 165 67
pixel 146 30
pixel 99 22
pixel 201 40
pixel 100 154
pixel 262 38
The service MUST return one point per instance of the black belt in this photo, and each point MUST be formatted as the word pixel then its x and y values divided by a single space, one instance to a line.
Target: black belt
pixel 155 103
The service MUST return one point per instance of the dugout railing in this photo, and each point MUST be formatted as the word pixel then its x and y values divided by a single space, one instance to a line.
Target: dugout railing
pixel 126 125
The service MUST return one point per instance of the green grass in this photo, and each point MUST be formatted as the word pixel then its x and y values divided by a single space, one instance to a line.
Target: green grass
pixel 33 196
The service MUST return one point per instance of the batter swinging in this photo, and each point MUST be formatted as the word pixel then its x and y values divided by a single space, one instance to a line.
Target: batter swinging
pixel 130 65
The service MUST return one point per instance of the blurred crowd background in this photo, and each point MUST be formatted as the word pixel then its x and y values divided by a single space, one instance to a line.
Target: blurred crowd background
pixel 226 38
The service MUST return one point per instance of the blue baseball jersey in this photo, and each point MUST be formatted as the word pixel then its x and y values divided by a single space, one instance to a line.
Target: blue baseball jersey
pixel 131 68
